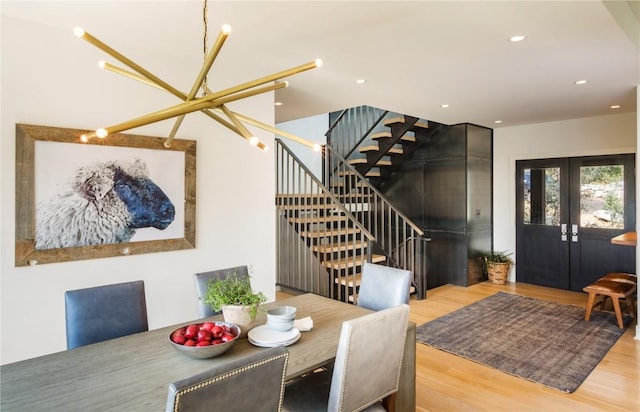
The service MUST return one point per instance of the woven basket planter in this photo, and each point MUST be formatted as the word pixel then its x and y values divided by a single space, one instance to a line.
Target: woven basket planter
pixel 498 272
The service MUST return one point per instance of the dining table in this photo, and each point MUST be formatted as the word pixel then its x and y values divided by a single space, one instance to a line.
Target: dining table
pixel 133 373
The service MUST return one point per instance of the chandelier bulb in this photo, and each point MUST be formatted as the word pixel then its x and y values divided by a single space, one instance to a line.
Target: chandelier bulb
pixel 318 62
pixel 253 141
pixel 78 31
pixel 102 133
pixel 226 29
pixel 84 138
pixel 316 147
pixel 101 64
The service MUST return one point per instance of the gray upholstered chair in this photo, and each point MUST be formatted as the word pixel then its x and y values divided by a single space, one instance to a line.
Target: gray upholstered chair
pixel 382 287
pixel 251 383
pixel 105 312
pixel 366 369
pixel 202 285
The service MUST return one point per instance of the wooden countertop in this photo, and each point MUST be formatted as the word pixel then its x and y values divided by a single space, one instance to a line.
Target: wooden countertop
pixel 625 239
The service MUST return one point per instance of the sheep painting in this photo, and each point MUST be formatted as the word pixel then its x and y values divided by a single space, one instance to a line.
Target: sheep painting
pixel 105 203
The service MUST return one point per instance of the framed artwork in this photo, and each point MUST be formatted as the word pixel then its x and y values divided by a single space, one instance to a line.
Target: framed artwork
pixel 122 195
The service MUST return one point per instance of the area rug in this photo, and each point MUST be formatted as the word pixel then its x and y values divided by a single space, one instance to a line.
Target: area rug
pixel 545 342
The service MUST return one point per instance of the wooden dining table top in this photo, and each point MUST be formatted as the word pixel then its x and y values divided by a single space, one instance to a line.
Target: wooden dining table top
pixel 134 372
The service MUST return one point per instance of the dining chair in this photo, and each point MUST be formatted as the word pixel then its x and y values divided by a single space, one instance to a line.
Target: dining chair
pixel 251 383
pixel 366 369
pixel 203 279
pixel 105 312
pixel 382 287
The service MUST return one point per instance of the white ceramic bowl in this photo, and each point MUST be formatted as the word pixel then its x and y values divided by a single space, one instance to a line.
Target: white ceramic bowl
pixel 282 312
pixel 211 351
pixel 281 318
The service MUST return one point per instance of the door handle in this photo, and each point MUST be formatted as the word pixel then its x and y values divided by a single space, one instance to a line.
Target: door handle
pixel 574 233
pixel 563 232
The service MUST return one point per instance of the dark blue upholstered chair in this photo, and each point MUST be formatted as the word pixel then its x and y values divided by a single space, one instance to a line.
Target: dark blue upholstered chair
pixel 105 312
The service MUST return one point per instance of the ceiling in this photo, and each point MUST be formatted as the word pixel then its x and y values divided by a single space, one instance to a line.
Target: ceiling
pixel 415 56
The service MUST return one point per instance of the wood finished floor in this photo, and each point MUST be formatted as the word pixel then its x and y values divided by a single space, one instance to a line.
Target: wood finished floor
pixel 446 382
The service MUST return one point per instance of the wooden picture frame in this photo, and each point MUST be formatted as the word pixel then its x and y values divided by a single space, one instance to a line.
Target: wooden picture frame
pixel 34 144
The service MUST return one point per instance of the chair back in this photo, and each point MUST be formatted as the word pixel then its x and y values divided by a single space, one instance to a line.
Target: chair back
pixel 251 383
pixel 368 360
pixel 382 287
pixel 105 312
pixel 202 280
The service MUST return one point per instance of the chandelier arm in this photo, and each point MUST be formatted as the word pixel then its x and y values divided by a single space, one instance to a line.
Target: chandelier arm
pixel 262 80
pixel 236 122
pixel 222 36
pixel 131 75
pixel 187 107
pixel 128 62
pixel 273 130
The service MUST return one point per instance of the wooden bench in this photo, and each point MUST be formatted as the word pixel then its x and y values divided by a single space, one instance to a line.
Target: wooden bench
pixel 602 289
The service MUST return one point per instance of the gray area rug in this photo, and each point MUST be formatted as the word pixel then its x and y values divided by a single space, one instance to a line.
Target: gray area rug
pixel 545 342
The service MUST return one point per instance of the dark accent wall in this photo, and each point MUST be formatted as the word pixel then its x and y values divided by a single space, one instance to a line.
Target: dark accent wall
pixel 446 189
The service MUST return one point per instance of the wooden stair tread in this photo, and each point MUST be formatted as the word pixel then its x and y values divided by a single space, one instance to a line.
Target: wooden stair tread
pixel 329 233
pixel 396 150
pixel 318 219
pixel 339 247
pixel 380 135
pixel 349 262
pixel 366 149
pixel 321 206
pixel 383 162
pixel 358 161
pixel 383 135
pixel 394 120
pixel 371 173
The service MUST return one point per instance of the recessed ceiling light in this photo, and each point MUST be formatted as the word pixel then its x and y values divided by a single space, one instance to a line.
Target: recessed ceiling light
pixel 360 81
pixel 517 38
pixel 444 106
pixel 615 106
pixel 581 82
pixel 498 121
pixel 278 103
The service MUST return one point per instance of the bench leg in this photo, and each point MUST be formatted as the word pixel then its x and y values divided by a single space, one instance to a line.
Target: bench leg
pixel 587 313
pixel 616 307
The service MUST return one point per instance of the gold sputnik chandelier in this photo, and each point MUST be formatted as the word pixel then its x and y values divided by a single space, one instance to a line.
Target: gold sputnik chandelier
pixel 211 103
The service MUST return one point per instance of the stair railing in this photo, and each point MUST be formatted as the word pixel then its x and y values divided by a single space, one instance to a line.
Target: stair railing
pixel 308 216
pixel 352 127
pixel 396 236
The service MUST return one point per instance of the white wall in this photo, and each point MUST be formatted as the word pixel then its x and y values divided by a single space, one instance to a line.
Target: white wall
pixel 49 77
pixel 579 137
pixel 313 129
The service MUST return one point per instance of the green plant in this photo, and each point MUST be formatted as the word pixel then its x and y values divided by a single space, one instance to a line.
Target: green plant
pixel 495 256
pixel 234 291
pixel 498 256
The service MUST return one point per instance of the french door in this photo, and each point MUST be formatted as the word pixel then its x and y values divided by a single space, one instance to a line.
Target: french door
pixel 567 211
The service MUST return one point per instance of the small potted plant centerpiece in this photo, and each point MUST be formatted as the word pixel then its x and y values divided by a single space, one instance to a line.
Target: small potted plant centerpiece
pixel 497 264
pixel 237 301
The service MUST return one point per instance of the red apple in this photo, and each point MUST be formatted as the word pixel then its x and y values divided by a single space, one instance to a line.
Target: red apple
pixel 204 335
pixel 191 331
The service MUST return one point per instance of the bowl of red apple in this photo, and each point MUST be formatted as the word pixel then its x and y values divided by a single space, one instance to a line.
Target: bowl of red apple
pixel 205 340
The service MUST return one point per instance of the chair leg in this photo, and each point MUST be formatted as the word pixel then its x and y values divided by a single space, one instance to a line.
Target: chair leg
pixel 616 307
pixel 587 313
pixel 631 304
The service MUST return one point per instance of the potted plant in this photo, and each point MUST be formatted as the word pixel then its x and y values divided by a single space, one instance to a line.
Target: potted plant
pixel 235 298
pixel 496 264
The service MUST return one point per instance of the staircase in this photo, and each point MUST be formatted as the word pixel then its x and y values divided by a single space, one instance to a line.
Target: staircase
pixel 327 232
